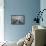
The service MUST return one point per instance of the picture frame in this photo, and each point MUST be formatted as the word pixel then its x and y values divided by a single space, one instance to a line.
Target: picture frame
pixel 18 19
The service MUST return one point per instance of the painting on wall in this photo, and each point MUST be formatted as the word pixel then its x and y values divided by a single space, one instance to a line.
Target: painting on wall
pixel 18 19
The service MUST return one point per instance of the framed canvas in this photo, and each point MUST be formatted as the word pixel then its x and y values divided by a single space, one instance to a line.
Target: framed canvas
pixel 17 19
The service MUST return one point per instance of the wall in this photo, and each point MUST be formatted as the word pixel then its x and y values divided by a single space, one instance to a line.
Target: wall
pixel 19 7
pixel 43 6
pixel 1 20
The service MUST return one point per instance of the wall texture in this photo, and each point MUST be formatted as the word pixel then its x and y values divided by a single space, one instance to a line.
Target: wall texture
pixel 19 7
pixel 1 20
pixel 43 6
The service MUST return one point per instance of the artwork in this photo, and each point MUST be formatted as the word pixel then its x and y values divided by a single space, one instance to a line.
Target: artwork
pixel 17 19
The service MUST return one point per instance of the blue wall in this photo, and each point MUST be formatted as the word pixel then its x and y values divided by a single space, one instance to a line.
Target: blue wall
pixel 19 7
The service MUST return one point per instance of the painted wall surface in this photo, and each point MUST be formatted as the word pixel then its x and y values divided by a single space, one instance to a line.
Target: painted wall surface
pixel 19 7
pixel 1 20
pixel 43 6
